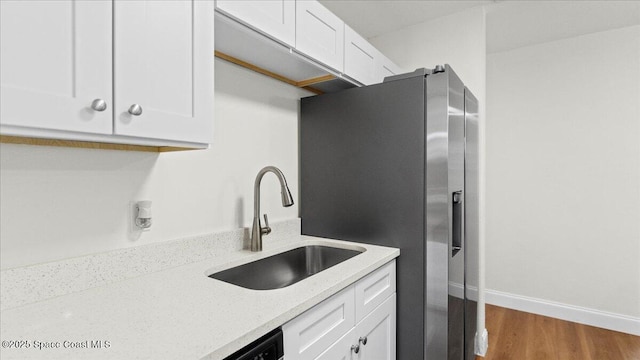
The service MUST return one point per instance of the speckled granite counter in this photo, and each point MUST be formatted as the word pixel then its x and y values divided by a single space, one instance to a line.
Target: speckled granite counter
pixel 175 313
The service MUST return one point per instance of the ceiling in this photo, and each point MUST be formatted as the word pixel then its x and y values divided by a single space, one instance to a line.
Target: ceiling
pixel 510 24
pixel 371 18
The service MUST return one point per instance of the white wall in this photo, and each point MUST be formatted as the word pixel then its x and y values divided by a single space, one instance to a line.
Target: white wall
pixel 441 41
pixel 563 172
pixel 64 202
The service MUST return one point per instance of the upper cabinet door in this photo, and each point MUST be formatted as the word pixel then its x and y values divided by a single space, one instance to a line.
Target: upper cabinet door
pixel 164 59
pixel 275 18
pixel 387 67
pixel 360 58
pixel 320 34
pixel 55 60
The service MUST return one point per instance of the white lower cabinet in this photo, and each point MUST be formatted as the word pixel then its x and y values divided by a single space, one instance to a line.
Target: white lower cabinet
pixel 341 349
pixel 376 334
pixel 374 288
pixel 346 327
pixel 374 338
pixel 311 333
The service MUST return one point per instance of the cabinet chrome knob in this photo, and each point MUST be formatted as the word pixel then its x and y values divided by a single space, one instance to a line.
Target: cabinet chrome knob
pixel 135 110
pixel 355 348
pixel 363 340
pixel 99 105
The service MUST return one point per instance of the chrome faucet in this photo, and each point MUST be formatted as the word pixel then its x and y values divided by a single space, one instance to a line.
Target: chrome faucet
pixel 257 231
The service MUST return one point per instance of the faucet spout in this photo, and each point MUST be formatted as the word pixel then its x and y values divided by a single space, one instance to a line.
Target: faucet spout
pixel 287 200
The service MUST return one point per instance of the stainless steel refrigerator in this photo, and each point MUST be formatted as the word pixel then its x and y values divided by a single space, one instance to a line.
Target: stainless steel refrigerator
pixel 396 164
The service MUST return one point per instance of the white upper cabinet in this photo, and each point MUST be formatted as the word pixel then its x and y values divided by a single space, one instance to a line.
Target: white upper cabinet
pixel 304 27
pixel 360 58
pixel 363 62
pixel 163 57
pixel 121 71
pixel 55 60
pixel 320 34
pixel 275 18
pixel 387 67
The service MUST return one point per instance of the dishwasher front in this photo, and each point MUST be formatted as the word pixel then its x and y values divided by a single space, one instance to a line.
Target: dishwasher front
pixel 268 347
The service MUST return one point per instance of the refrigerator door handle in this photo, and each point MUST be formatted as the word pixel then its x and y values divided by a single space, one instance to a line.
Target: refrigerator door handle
pixel 456 236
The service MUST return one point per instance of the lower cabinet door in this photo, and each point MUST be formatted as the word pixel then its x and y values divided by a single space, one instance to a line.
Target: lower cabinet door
pixel 310 334
pixel 374 338
pixel 376 333
pixel 342 349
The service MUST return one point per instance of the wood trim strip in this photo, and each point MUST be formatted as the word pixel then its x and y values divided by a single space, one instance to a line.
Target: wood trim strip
pixel 252 67
pixel 315 80
pixel 301 84
pixel 6 139
pixel 313 90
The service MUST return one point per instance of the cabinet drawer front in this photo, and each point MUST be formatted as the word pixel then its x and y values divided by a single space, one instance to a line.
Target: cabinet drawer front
pixel 311 333
pixel 374 289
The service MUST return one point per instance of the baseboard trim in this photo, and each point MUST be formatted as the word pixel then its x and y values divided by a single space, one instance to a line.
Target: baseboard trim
pixel 457 290
pixel 582 315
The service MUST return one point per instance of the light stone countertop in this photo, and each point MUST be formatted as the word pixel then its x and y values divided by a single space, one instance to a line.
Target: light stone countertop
pixel 177 313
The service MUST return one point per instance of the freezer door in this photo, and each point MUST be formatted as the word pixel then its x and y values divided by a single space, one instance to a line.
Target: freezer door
pixel 444 230
pixel 472 221
pixel 456 204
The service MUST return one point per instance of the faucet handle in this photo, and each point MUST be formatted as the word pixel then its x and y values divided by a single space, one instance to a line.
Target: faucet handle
pixel 266 229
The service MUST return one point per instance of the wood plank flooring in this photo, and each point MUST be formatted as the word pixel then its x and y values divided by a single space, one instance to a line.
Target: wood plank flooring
pixel 516 335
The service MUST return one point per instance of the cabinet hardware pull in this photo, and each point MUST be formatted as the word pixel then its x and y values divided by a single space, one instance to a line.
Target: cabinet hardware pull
pixel 355 348
pixel 363 340
pixel 135 110
pixel 99 105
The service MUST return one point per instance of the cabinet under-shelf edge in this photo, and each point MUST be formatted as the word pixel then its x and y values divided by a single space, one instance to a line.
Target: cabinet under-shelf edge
pixel 8 139
pixel 305 84
pixel 239 44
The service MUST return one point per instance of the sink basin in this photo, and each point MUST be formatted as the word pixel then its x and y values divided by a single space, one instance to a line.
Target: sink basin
pixel 286 268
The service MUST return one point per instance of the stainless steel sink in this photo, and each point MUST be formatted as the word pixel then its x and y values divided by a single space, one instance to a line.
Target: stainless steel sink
pixel 286 268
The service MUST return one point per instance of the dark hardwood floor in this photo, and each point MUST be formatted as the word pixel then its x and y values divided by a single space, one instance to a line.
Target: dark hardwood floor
pixel 516 335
